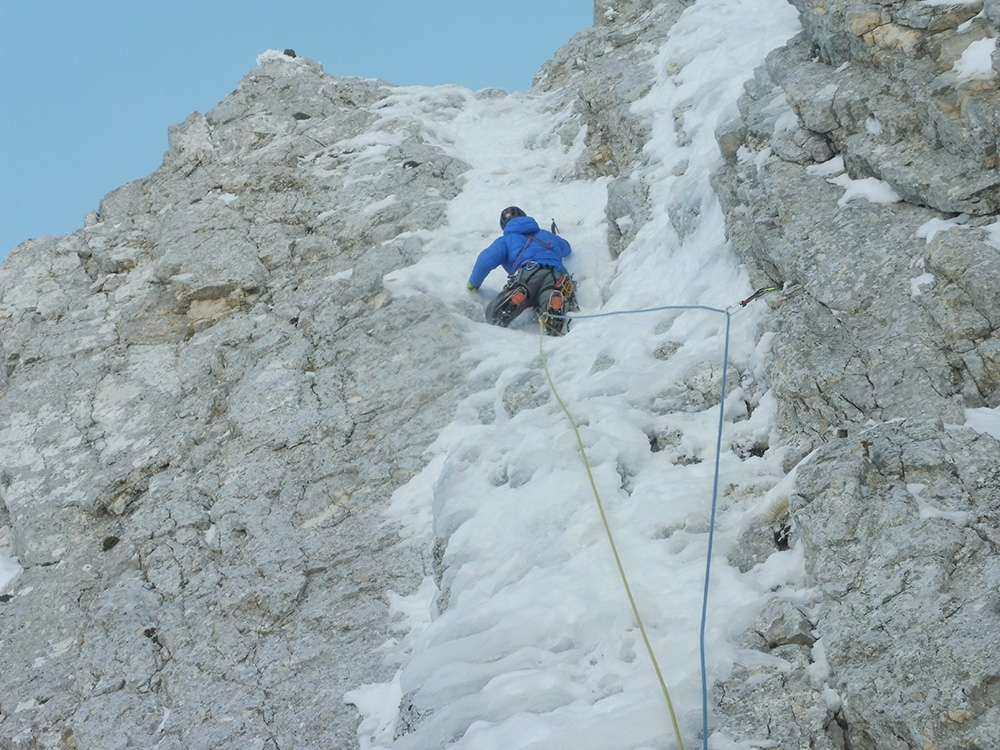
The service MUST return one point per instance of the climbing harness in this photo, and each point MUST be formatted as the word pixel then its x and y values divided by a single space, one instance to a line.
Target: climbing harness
pixel 714 506
pixel 530 238
pixel 553 295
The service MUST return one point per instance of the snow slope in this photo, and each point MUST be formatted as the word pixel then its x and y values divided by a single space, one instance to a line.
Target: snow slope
pixel 536 646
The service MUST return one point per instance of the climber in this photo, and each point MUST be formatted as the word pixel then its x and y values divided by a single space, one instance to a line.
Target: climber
pixel 537 278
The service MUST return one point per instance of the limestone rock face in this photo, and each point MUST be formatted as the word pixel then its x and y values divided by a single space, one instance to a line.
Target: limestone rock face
pixel 861 176
pixel 889 90
pixel 207 394
pixel 201 413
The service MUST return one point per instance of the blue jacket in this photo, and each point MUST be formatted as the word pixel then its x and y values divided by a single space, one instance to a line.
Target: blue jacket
pixel 522 242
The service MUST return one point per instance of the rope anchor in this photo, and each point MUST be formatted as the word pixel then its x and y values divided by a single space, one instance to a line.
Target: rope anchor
pixel 759 293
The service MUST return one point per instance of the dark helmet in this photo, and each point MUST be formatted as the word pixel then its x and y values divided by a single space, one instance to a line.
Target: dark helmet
pixel 509 213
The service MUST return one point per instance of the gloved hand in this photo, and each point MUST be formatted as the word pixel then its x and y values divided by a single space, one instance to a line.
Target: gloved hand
pixel 473 289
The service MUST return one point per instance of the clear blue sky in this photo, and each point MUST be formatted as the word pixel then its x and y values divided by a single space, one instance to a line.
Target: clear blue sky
pixel 89 87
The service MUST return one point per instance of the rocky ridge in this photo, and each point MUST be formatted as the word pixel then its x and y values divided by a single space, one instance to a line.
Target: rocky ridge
pixel 196 435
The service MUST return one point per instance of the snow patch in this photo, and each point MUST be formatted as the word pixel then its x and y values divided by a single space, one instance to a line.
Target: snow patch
pixel 977 60
pixel 924 279
pixel 10 569
pixel 984 420
pixel 930 229
pixel 377 703
pixel 273 55
pixel 993 234
pixel 834 166
pixel 868 188
pixel 927 510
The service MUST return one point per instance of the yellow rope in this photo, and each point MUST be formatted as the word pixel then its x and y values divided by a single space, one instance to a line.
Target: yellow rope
pixel 611 539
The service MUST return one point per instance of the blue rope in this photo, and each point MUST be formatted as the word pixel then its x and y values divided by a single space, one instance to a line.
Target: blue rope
pixel 577 316
pixel 715 481
pixel 711 541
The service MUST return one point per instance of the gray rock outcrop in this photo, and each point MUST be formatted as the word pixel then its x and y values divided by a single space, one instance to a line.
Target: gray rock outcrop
pixel 198 435
pixel 885 333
